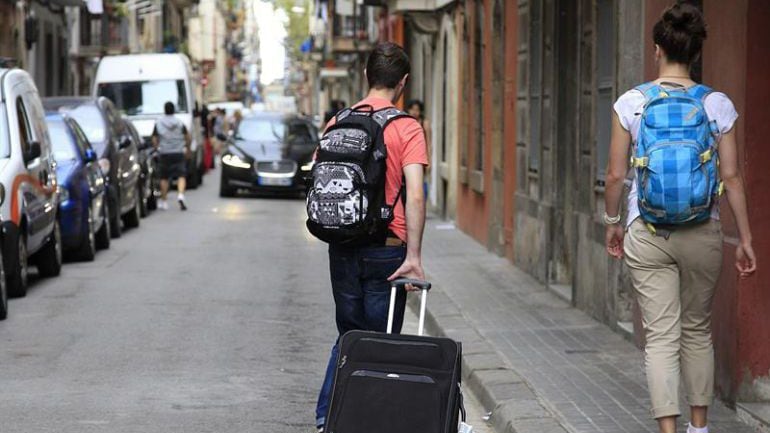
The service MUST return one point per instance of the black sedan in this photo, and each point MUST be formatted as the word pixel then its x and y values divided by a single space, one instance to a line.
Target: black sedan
pixel 270 153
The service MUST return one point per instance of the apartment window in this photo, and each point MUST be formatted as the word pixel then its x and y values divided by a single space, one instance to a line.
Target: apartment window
pixel 605 82
pixel 479 52
pixel 536 82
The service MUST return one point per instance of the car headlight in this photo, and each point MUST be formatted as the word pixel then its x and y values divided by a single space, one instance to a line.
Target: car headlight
pixel 63 192
pixel 104 164
pixel 235 161
pixel 308 166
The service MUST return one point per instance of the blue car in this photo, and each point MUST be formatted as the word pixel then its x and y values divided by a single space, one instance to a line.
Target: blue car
pixel 82 205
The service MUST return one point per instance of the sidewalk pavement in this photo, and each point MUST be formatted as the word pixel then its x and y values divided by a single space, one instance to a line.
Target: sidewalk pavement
pixel 539 365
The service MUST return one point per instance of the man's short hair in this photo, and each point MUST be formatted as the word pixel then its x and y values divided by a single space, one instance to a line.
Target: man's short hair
pixel 169 108
pixel 386 66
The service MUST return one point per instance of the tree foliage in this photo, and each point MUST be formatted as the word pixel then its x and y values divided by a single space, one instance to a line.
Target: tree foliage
pixel 297 26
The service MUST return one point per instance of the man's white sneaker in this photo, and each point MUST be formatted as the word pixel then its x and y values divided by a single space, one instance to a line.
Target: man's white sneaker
pixel 162 205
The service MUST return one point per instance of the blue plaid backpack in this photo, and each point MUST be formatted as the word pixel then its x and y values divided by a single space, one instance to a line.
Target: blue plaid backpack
pixel 675 156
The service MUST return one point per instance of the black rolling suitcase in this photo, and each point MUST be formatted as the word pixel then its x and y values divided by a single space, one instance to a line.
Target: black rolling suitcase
pixel 388 383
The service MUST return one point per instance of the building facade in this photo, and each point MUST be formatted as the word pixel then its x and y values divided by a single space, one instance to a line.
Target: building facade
pixel 519 94
pixel 537 80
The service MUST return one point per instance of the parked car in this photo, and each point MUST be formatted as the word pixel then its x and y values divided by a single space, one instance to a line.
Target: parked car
pixel 3 285
pixel 83 217
pixel 269 152
pixel 149 180
pixel 117 152
pixel 31 231
pixel 140 85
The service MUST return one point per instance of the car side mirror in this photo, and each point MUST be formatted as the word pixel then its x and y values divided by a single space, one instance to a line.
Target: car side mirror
pixel 126 142
pixel 33 152
pixel 90 155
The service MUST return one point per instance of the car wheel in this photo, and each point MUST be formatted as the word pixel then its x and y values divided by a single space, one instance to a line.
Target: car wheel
pixel 224 189
pixel 132 218
pixel 3 293
pixel 103 235
pixel 87 250
pixel 116 230
pixel 49 258
pixel 152 202
pixel 18 276
pixel 143 209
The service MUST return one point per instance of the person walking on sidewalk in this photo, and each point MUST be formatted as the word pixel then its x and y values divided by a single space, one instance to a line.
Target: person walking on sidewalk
pixel 683 137
pixel 360 275
pixel 416 109
pixel 172 140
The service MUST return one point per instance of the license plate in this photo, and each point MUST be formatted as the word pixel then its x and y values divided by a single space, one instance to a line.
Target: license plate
pixel 274 181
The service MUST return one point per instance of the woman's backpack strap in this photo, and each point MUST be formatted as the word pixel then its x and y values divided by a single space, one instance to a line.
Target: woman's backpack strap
pixel 650 90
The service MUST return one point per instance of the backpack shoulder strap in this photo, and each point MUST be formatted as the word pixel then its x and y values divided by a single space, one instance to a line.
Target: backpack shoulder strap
pixel 343 114
pixel 386 115
pixel 700 92
pixel 650 90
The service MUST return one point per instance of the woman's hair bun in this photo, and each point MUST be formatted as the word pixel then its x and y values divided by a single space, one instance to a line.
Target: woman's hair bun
pixel 685 17
pixel 681 32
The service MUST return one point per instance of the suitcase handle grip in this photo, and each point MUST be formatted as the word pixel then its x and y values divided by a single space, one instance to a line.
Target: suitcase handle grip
pixel 402 282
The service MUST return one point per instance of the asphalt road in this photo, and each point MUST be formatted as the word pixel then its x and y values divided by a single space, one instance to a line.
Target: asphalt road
pixel 218 319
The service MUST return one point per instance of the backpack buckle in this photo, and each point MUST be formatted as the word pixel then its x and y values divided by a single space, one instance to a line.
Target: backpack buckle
pixel 639 162
pixel 706 156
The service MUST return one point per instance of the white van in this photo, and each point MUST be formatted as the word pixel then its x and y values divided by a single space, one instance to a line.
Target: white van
pixel 30 229
pixel 140 84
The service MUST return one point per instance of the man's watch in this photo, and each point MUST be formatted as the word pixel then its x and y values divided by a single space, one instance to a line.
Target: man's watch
pixel 608 220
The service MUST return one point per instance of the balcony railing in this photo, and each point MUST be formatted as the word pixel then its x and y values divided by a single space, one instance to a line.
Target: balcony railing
pixel 350 33
pixel 96 40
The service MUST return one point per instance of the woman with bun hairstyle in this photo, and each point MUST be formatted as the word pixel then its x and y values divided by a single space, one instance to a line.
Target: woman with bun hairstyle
pixel 674 268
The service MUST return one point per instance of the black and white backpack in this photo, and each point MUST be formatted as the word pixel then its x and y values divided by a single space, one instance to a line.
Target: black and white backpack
pixel 346 188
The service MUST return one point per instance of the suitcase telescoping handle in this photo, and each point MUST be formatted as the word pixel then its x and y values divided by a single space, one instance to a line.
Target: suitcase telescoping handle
pixel 400 283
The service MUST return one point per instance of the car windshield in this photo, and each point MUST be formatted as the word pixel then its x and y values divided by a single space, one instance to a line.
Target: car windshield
pixel 5 149
pixel 261 129
pixel 92 123
pixel 145 97
pixel 62 141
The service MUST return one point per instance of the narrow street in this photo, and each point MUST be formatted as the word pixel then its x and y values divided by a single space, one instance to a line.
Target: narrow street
pixel 214 320
pixel 217 319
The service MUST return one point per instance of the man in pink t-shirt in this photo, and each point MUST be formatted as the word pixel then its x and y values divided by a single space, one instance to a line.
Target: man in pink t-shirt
pixel 360 275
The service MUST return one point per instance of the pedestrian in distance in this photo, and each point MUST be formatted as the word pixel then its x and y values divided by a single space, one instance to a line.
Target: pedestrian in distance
pixel 172 140
pixel 219 128
pixel 361 272
pixel 684 154
pixel 416 109
pixel 236 123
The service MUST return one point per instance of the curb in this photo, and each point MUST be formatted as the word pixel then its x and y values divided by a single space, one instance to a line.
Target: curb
pixel 514 404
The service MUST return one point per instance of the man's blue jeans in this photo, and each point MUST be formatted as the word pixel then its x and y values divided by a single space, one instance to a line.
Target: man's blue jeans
pixel 362 297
